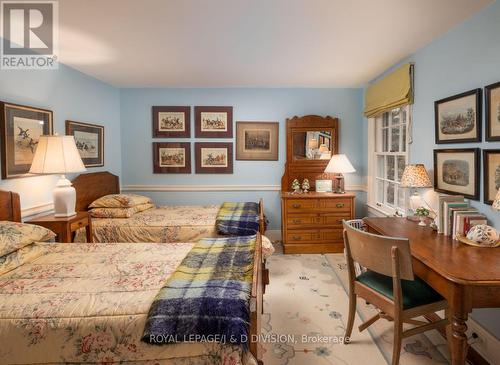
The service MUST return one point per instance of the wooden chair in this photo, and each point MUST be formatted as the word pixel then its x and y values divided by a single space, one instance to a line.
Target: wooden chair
pixel 389 284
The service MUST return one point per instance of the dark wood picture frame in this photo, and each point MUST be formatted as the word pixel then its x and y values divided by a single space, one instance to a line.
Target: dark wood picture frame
pixel 270 155
pixel 475 173
pixel 487 198
pixel 158 133
pixel 478 117
pixel 200 133
pixel 159 169
pixel 488 114
pixel 72 126
pixel 8 111
pixel 200 169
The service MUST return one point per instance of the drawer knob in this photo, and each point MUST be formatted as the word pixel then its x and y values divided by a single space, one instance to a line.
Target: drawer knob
pixel 340 205
pixel 297 221
pixel 296 205
pixel 297 238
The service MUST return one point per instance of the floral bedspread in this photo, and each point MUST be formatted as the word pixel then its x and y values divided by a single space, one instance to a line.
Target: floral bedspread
pixel 163 224
pixel 88 304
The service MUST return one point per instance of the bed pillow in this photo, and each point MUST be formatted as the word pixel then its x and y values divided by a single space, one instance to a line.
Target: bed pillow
pixel 119 201
pixel 119 212
pixel 14 235
pixel 21 256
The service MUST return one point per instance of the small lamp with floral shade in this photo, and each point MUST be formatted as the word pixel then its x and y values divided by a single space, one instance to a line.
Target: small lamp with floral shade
pixel 414 177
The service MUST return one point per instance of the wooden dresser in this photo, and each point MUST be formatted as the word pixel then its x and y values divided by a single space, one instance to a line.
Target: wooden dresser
pixel 312 222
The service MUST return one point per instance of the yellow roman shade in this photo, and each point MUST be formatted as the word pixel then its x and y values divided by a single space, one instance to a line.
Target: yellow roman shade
pixel 393 90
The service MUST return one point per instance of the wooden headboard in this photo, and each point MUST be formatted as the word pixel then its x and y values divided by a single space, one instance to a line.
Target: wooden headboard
pixel 92 186
pixel 10 206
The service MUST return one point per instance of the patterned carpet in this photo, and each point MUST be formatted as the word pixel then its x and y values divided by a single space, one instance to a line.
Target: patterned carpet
pixel 306 309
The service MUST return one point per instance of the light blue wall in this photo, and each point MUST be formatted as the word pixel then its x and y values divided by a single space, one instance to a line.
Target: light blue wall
pixel 70 95
pixel 465 58
pixel 248 105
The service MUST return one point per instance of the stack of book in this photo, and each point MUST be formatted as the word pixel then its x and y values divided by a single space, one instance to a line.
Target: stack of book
pixel 456 217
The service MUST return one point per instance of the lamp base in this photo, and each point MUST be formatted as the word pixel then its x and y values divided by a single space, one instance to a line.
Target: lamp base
pixel 339 186
pixel 64 198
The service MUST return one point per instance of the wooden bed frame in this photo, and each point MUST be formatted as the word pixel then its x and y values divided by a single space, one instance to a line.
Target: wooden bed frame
pixel 10 210
pixel 92 186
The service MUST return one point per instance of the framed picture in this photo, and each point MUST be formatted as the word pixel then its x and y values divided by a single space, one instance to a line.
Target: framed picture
pixel 21 128
pixel 213 121
pixel 491 175
pixel 214 158
pixel 458 118
pixel 257 141
pixel 171 121
pixel 456 171
pixel 172 158
pixel 89 139
pixel 492 105
pixel 324 186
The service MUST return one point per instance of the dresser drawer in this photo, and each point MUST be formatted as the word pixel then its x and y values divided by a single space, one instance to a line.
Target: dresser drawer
pixel 300 220
pixel 303 236
pixel 297 205
pixel 338 205
pixel 335 219
pixel 335 235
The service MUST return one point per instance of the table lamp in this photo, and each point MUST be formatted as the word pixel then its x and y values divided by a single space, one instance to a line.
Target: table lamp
pixel 496 202
pixel 59 155
pixel 415 176
pixel 339 164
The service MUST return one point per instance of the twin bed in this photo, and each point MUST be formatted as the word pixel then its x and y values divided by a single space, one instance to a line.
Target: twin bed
pixel 88 303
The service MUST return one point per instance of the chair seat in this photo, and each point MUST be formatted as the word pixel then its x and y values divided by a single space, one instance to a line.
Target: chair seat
pixel 415 293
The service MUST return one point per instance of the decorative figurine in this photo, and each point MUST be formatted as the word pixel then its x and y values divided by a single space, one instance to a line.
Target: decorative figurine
pixel 296 186
pixel 306 186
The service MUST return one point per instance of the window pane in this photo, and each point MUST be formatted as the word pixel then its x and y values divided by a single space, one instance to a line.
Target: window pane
pixel 401 197
pixel 395 139
pixel 390 194
pixel 403 139
pixel 385 120
pixel 403 115
pixel 390 167
pixel 395 116
pixel 380 191
pixel 380 167
pixel 385 140
pixel 401 166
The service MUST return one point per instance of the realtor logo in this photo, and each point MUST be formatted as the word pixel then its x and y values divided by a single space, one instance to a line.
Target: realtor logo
pixel 29 35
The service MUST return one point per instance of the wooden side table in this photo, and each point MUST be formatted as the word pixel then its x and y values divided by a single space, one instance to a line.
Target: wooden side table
pixel 65 226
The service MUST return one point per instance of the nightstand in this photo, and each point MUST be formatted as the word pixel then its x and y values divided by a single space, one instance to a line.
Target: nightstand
pixel 65 226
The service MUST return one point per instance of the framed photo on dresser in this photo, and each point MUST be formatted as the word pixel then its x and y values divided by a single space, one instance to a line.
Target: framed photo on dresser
pixel 257 141
pixel 172 157
pixel 89 139
pixel 457 171
pixel 458 118
pixel 492 106
pixel 21 127
pixel 171 121
pixel 213 121
pixel 491 175
pixel 214 158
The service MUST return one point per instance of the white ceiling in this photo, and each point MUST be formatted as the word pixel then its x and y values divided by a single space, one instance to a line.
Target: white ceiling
pixel 249 43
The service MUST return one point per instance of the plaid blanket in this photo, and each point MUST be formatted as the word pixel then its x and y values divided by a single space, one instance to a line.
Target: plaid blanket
pixel 207 297
pixel 238 219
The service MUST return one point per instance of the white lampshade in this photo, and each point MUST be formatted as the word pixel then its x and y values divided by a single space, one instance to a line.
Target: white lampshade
pixel 339 164
pixel 56 155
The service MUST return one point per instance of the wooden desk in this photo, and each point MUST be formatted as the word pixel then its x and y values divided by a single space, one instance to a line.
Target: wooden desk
pixel 468 277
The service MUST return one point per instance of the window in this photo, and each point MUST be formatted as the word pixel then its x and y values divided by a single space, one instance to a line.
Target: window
pixel 388 156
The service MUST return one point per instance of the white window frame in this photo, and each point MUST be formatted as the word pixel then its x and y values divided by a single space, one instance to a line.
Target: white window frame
pixel 373 203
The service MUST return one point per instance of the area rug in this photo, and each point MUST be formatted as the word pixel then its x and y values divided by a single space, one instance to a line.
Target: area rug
pixel 306 309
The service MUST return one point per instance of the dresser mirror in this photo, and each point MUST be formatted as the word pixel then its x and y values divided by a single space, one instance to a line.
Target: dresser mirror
pixel 312 145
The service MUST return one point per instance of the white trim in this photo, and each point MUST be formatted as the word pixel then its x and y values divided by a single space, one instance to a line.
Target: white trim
pixel 487 344
pixel 37 209
pixel 218 188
